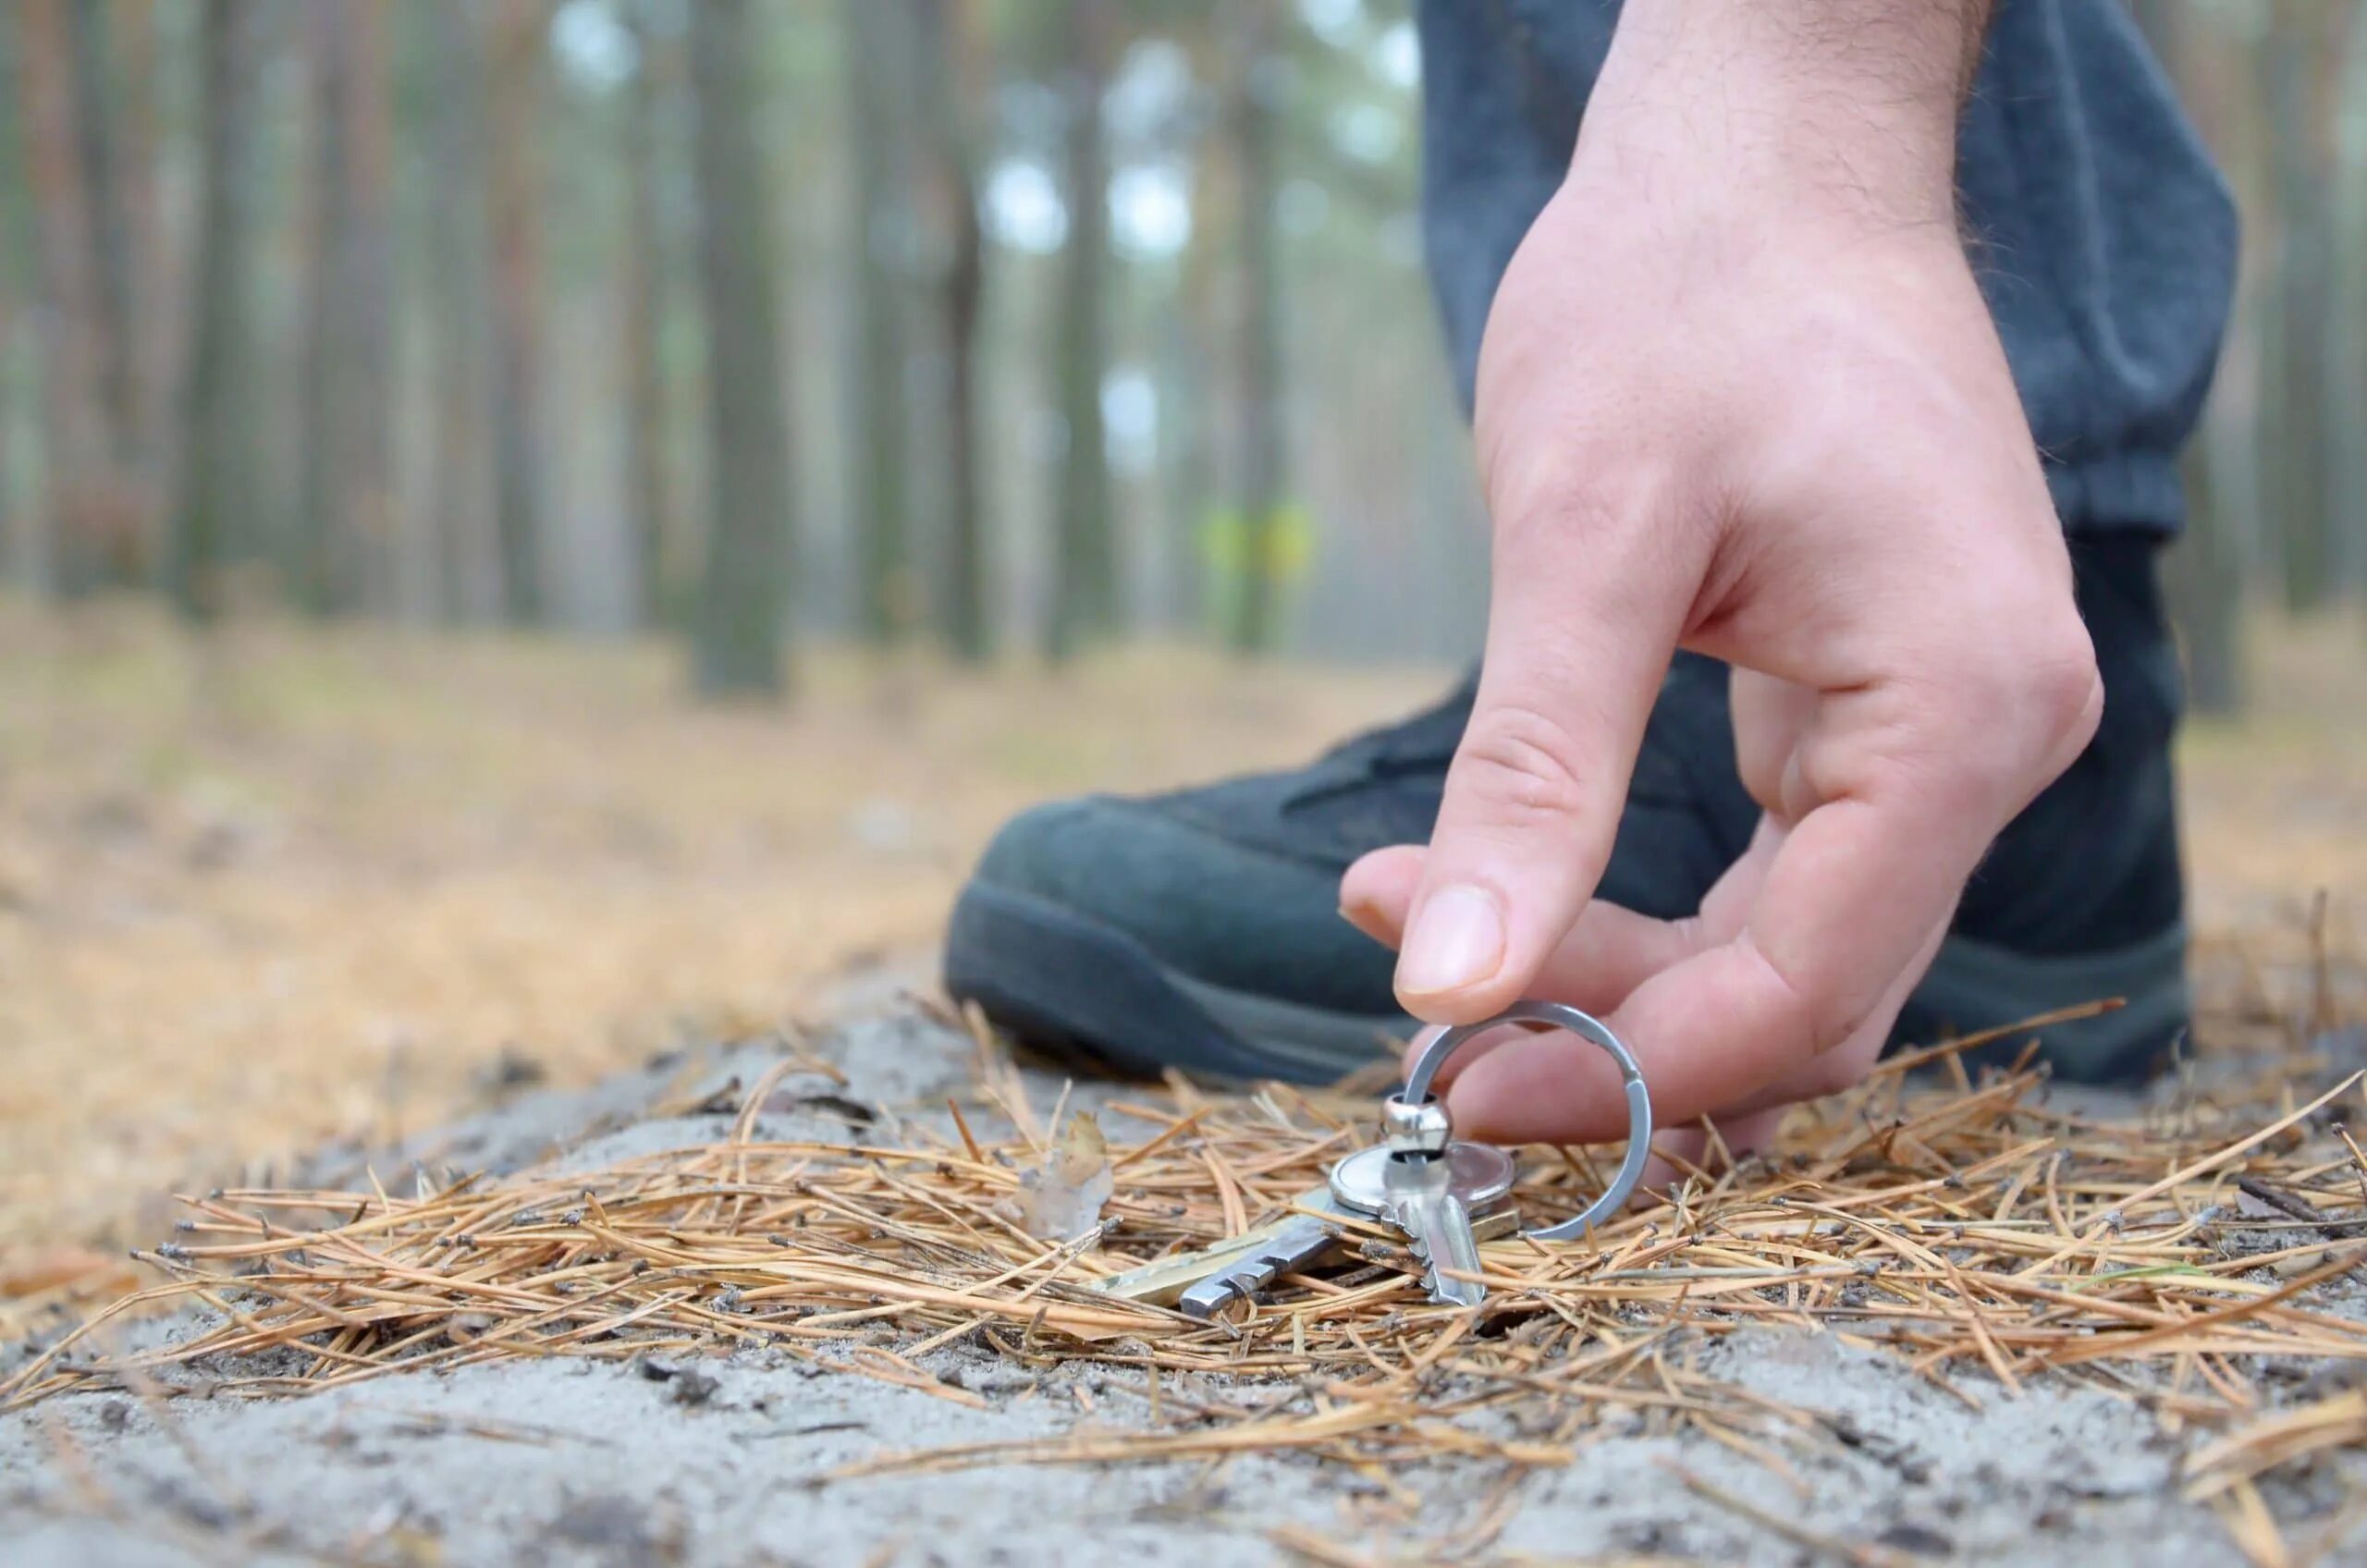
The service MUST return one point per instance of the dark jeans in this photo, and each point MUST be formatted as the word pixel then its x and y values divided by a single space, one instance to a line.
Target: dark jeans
pixel 2104 238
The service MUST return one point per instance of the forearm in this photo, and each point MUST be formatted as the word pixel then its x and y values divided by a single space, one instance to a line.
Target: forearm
pixel 1857 99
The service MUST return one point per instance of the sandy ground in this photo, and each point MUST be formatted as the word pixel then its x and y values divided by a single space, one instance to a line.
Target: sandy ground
pixel 569 1462
pixel 341 890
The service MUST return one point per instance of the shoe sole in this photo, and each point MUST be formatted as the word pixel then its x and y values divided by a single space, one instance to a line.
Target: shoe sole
pixel 1059 980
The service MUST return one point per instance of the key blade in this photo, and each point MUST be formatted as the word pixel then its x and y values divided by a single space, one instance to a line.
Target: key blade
pixel 1440 1228
pixel 1437 1224
pixel 1303 1242
pixel 1161 1283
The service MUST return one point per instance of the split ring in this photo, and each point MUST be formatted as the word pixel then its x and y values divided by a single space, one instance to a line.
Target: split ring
pixel 1431 1052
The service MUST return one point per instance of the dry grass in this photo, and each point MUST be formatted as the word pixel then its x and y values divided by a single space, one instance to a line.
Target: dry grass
pixel 311 887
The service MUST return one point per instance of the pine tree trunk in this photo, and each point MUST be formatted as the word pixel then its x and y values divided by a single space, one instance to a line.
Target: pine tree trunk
pixel 1191 407
pixel 157 283
pixel 347 504
pixel 880 525
pixel 2203 571
pixel 2294 367
pixel 93 526
pixel 648 476
pixel 516 81
pixel 2346 400
pixel 1256 112
pixel 316 568
pixel 946 97
pixel 105 212
pixel 462 325
pixel 366 294
pixel 1085 568
pixel 220 454
pixel 738 638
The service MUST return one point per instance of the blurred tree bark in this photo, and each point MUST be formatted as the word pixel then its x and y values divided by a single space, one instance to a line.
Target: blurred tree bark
pixel 2203 571
pixel 221 458
pixel 94 513
pixel 156 279
pixel 649 480
pixel 460 329
pixel 880 96
pixel 946 96
pixel 513 166
pixel 1256 117
pixel 112 248
pixel 1085 564
pixel 347 517
pixel 2346 400
pixel 2294 433
pixel 737 642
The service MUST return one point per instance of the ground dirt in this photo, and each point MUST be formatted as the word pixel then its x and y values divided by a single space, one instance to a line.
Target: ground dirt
pixel 303 899
pixel 571 1462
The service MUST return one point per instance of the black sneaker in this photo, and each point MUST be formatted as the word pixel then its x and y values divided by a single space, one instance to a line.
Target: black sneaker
pixel 1201 929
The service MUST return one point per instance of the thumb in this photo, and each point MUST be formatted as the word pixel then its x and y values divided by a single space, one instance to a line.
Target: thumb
pixel 1578 642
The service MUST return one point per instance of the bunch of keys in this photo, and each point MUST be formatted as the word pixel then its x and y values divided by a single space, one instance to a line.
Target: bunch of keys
pixel 1442 1194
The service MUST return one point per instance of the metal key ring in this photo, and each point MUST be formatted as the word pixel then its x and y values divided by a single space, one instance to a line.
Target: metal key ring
pixel 1431 1052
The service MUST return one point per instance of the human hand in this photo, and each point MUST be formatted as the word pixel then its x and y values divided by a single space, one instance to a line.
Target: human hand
pixel 1738 393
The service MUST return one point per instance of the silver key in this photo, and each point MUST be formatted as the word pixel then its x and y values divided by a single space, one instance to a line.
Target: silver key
pixel 1163 1282
pixel 1422 1203
pixel 1301 1241
pixel 1203 1284
pixel 1446 1202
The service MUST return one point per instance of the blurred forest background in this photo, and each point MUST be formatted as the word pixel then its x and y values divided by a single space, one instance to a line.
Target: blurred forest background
pixel 999 326
pixel 612 314
pixel 404 403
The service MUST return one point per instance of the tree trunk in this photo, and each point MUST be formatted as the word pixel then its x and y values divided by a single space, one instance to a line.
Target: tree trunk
pixel 105 212
pixel 2294 364
pixel 221 458
pixel 365 291
pixel 649 475
pixel 461 327
pixel 1085 568
pixel 1256 117
pixel 879 92
pixel 516 81
pixel 346 501
pixel 737 642
pixel 158 307
pixel 316 568
pixel 93 517
pixel 946 98
pixel 2203 571
pixel 2346 400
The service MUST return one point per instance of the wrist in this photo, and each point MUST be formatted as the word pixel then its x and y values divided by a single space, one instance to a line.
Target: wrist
pixel 1847 106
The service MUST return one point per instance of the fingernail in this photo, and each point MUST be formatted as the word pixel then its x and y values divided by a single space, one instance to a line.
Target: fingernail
pixel 1457 940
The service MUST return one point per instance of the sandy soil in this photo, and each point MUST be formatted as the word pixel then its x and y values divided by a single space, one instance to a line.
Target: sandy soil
pixel 564 1462
pixel 331 892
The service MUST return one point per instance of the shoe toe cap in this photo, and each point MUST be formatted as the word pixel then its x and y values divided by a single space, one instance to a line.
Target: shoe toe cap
pixel 1217 910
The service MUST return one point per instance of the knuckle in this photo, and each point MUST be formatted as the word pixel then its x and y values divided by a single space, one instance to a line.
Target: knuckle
pixel 1523 766
pixel 2022 707
pixel 2066 692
